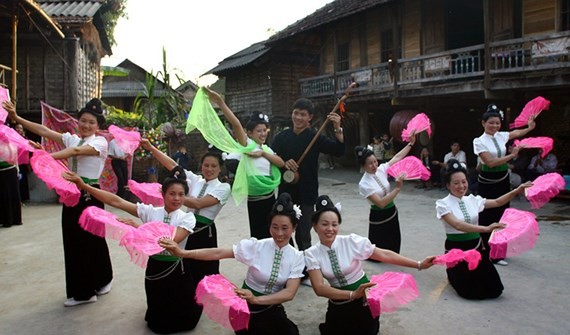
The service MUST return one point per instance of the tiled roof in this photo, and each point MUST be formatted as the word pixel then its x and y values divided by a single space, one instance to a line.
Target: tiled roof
pixel 56 8
pixel 330 12
pixel 241 58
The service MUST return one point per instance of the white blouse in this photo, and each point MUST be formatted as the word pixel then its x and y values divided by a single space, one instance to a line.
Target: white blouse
pixel 259 256
pixel 484 143
pixel 474 204
pixel 350 251
pixel 178 218
pixel 368 184
pixel 215 188
pixel 88 166
pixel 261 164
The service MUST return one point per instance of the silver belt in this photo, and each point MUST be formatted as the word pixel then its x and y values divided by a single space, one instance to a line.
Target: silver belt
pixel 386 220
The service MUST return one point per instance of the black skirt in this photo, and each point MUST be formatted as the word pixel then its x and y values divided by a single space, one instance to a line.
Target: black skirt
pixel 170 291
pixel 87 262
pixel 352 317
pixel 10 205
pixel 258 209
pixel 492 190
pixel 269 320
pixel 384 229
pixel 483 282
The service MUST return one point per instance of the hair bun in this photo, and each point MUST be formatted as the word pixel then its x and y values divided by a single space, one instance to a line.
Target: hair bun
pixel 178 173
pixel 94 106
pixel 259 117
pixel 323 202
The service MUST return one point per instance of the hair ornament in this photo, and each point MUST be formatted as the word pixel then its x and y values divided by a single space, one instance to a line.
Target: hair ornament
pixel 324 202
pixel 279 208
pixel 298 212
pixel 455 165
pixel 338 206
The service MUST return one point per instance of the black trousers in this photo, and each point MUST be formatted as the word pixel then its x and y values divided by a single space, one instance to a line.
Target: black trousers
pixel 385 235
pixel 10 205
pixel 258 212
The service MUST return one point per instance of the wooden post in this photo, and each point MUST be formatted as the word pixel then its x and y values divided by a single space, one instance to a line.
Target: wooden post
pixel 13 90
pixel 487 59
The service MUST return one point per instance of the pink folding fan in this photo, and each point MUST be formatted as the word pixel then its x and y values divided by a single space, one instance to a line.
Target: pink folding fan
pixel 149 193
pixel 102 223
pixel 532 108
pixel 454 256
pixel 541 142
pixel 128 141
pixel 519 235
pixel 411 167
pixel 544 188
pixel 392 290
pixel 49 170
pixel 416 125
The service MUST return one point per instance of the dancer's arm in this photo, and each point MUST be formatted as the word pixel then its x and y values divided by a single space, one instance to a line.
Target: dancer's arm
pixel 35 128
pixel 239 132
pixel 162 158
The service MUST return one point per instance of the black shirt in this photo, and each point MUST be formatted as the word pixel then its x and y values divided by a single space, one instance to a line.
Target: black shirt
pixel 289 145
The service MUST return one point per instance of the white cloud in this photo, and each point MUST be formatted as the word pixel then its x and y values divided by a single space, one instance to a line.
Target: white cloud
pixel 197 35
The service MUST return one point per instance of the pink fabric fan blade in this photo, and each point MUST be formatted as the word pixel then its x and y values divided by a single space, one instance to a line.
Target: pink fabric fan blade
pixel 392 290
pixel 221 304
pixel 411 167
pixel 455 256
pixel 4 96
pixel 416 125
pixel 145 238
pixel 137 257
pixel 8 134
pixel 49 170
pixel 8 152
pixel 519 235
pixel 128 141
pixel 541 142
pixel 149 193
pixel 103 223
pixel 532 108
pixel 544 188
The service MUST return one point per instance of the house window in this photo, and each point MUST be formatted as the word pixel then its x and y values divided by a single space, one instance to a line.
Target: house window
pixel 386 45
pixel 342 57
pixel 565 15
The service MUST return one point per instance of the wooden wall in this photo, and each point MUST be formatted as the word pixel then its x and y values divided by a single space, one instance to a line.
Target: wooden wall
pixel 411 29
pixel 539 16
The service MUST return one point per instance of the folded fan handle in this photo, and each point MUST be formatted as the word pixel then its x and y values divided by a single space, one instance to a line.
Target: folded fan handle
pixel 335 108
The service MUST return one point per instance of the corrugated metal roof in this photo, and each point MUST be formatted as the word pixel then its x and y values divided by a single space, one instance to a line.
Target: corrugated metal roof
pixel 70 8
pixel 241 58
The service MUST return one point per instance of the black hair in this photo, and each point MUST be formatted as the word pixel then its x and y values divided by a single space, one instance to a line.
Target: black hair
pixel 324 204
pixel 362 153
pixel 284 206
pixel 176 176
pixel 255 119
pixel 453 166
pixel 95 108
pixel 213 152
pixel 306 104
pixel 492 111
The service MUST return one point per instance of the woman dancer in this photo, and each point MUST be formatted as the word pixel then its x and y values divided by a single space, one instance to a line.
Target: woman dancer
pixel 494 178
pixel 169 288
pixel 263 175
pixel 460 216
pixel 384 227
pixel 264 289
pixel 338 259
pixel 88 271
pixel 205 198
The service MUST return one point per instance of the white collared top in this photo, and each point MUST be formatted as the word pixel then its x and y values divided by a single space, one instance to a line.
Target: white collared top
pixel 350 250
pixel 88 166
pixel 259 256
pixel 216 189
pixel 450 204
pixel 368 184
pixel 261 164
pixel 484 143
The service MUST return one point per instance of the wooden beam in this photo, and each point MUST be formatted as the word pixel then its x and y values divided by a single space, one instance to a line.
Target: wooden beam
pixel 14 51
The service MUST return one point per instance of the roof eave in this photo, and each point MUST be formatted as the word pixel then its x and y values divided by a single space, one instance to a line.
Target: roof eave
pixel 46 17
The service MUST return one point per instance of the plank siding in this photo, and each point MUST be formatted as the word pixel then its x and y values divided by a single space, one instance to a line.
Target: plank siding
pixel 411 28
pixel 502 19
pixel 373 37
pixel 433 29
pixel 539 16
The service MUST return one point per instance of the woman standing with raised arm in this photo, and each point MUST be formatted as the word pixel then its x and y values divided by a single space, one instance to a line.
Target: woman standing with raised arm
pixel 338 259
pixel 263 175
pixel 460 216
pixel 494 178
pixel 88 271
pixel 264 288
pixel 169 287
pixel 384 227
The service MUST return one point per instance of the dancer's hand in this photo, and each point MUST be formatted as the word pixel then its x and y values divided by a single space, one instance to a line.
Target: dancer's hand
pixel 426 263
pixel 11 109
pixel 496 225
pixel 245 294
pixel 171 246
pixel 214 96
pixel 291 165
pixel 72 177
pixel 361 290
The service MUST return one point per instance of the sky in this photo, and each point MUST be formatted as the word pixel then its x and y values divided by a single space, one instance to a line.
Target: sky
pixel 198 34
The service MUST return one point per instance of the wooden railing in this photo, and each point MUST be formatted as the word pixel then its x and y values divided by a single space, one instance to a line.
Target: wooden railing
pixel 517 55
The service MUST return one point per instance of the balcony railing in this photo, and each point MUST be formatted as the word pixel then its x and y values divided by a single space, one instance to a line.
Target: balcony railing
pixel 517 55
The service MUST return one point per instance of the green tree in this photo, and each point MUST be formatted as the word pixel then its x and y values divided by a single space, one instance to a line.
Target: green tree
pixel 111 11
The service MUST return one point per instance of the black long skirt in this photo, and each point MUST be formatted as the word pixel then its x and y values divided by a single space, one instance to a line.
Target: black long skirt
pixel 492 191
pixel 87 262
pixel 352 317
pixel 269 320
pixel 170 297
pixel 10 205
pixel 483 282
pixel 204 236
pixel 384 229
pixel 258 211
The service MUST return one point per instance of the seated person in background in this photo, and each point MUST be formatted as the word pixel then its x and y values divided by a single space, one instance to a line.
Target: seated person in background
pixel 427 161
pixel 455 153
pixel 378 148
pixel 388 147
pixel 539 166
